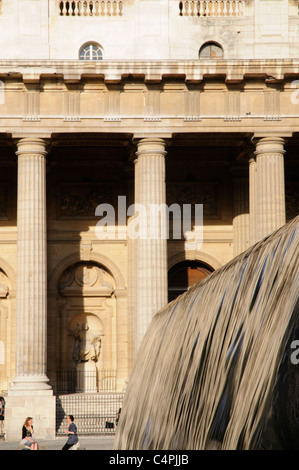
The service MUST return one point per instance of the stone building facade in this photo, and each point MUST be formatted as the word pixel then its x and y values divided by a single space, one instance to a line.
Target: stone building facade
pixel 107 104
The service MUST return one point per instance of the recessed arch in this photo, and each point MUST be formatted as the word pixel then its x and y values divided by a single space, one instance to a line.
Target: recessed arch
pixel 184 275
pixel 100 259
pixel 196 256
pixel 183 272
pixel 8 270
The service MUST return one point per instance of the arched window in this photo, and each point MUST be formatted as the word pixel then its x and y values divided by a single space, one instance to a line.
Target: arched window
pixel 211 50
pixel 91 51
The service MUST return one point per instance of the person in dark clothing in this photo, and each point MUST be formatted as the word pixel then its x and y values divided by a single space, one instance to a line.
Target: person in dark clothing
pixel 2 408
pixel 72 434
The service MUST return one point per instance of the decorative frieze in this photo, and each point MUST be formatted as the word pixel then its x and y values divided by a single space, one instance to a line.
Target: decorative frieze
pixel 79 200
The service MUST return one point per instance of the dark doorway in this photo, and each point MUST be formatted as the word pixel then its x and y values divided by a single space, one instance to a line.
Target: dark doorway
pixel 184 275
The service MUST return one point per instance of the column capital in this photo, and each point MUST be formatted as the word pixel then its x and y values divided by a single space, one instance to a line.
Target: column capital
pixel 151 145
pixel 31 145
pixel 270 144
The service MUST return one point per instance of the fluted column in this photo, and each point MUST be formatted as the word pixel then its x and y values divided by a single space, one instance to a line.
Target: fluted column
pixel 270 185
pixel 31 296
pixel 151 291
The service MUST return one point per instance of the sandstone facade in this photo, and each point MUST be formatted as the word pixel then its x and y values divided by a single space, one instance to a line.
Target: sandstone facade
pixel 185 103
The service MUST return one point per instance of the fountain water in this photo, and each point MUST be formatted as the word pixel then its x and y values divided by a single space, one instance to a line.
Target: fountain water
pixel 215 368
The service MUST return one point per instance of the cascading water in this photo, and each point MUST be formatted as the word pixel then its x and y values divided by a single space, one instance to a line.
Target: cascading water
pixel 215 368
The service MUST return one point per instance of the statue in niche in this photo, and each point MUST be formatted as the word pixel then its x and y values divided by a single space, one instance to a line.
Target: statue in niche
pixel 87 346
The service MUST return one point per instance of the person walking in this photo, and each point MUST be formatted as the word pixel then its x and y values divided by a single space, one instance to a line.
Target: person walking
pixel 73 441
pixel 2 413
pixel 2 408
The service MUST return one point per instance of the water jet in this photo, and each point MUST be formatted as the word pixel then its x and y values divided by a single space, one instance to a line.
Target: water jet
pixel 214 370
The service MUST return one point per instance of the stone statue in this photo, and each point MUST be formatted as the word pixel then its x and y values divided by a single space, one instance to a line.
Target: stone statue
pixel 87 346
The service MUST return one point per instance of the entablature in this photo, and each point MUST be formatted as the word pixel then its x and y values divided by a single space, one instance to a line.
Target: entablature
pixel 168 96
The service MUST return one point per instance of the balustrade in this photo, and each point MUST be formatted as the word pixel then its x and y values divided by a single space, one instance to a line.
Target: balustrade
pixel 211 7
pixel 91 8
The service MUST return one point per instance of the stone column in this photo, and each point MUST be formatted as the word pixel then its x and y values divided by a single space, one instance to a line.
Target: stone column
pixel 151 291
pixel 270 186
pixel 30 386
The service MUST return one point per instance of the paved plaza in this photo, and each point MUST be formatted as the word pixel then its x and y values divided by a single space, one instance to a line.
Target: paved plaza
pixel 86 443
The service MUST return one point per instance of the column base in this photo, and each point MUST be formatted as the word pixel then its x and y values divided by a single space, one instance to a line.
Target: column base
pixel 40 407
pixel 29 384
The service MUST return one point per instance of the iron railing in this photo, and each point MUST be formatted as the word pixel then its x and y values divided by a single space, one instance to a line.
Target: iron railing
pixel 72 381
pixel 94 414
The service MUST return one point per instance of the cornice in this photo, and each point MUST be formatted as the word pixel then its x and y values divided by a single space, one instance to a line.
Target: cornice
pixel 231 71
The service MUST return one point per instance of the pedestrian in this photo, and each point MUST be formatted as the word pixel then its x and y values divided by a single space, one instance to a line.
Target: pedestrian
pixel 2 408
pixel 27 435
pixel 118 416
pixel 2 413
pixel 73 441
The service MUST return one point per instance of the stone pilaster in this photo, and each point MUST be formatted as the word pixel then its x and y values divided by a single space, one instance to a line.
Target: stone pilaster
pixel 270 186
pixel 151 291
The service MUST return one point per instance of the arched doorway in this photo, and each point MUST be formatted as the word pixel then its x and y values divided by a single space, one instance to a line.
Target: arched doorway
pixel 184 275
